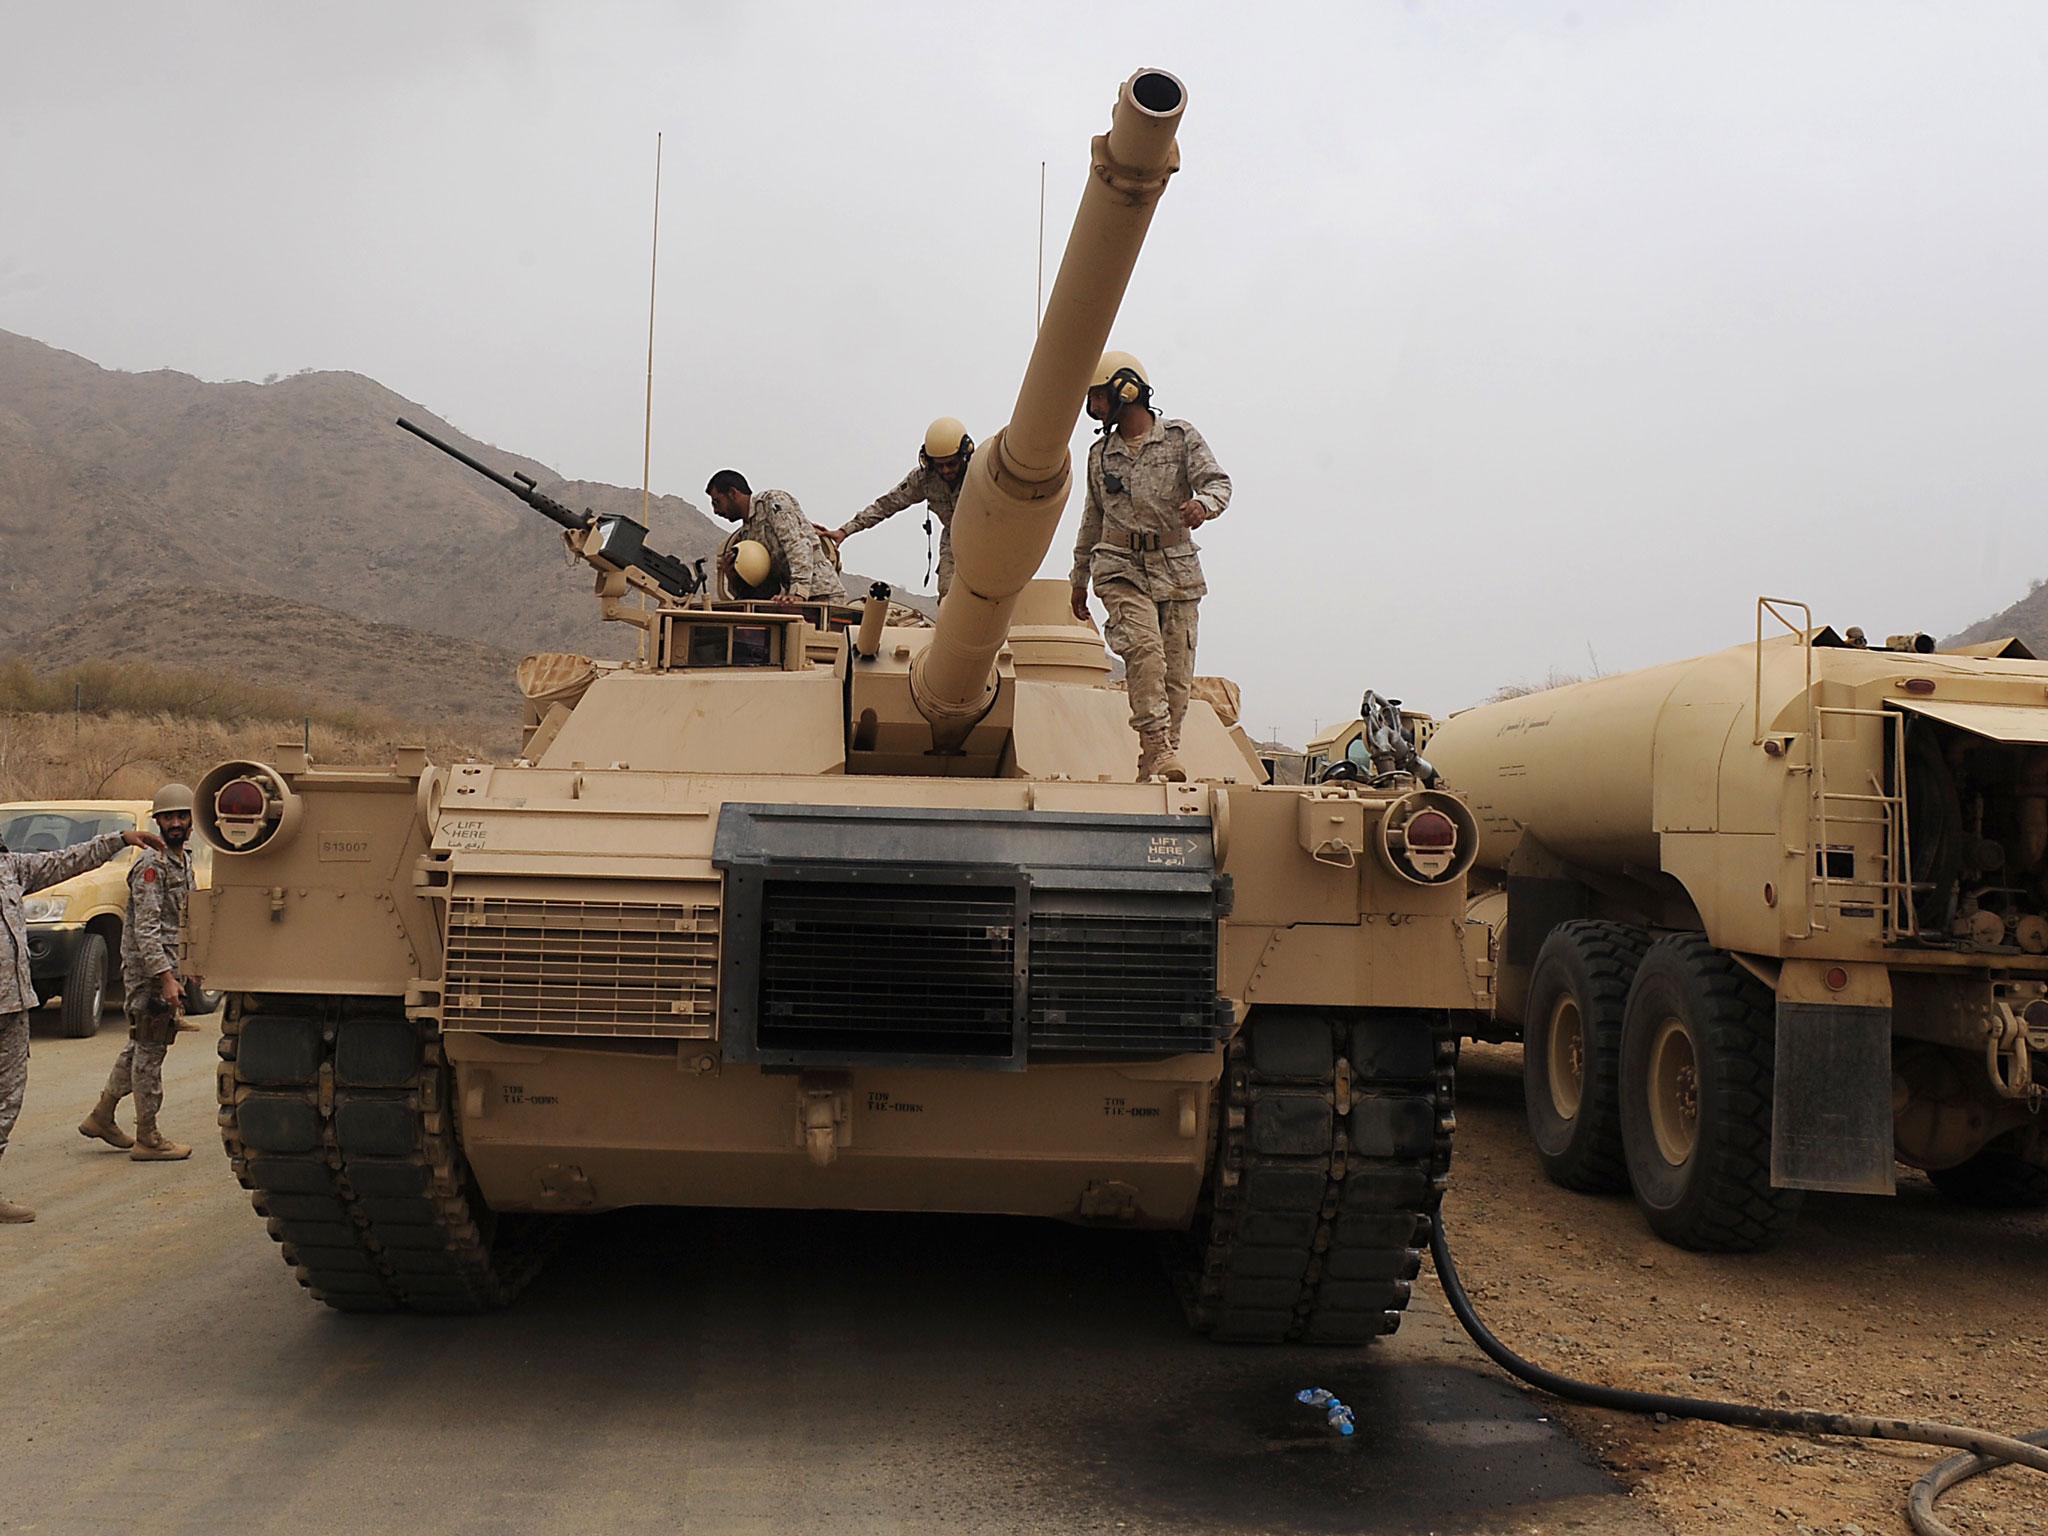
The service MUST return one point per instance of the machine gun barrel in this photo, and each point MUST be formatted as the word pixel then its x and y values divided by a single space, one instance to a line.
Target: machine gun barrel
pixel 619 542
pixel 519 485
pixel 1017 483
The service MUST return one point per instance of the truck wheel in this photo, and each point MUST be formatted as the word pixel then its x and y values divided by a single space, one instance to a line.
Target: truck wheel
pixel 85 989
pixel 1696 1065
pixel 1571 1051
pixel 2002 1177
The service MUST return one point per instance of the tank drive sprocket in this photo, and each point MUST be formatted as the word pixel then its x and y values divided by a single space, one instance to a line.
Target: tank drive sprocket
pixel 1335 1150
pixel 335 1114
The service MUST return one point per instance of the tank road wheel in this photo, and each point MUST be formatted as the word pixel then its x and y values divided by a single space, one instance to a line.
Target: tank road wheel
pixel 1571 1052
pixel 85 989
pixel 336 1117
pixel 1696 1064
pixel 2009 1174
pixel 1334 1146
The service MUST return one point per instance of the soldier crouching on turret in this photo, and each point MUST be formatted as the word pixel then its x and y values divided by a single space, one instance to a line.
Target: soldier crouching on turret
pixel 1151 481
pixel 159 889
pixel 802 570
pixel 941 467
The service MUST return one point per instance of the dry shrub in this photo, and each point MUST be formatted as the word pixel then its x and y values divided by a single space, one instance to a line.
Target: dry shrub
pixel 1552 679
pixel 126 756
pixel 108 687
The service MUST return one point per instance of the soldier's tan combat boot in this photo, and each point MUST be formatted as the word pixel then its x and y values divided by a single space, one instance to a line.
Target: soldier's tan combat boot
pixel 1156 759
pixel 99 1125
pixel 151 1146
pixel 12 1213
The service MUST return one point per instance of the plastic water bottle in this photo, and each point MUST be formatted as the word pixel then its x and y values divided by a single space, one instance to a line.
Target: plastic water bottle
pixel 1336 1413
pixel 1315 1397
pixel 1341 1419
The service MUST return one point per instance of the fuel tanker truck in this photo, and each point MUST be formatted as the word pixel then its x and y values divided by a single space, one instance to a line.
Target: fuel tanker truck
pixel 1771 920
pixel 803 908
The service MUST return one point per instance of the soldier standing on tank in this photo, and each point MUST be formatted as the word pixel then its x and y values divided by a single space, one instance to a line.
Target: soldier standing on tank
pixel 802 570
pixel 941 467
pixel 159 887
pixel 1151 481
pixel 21 874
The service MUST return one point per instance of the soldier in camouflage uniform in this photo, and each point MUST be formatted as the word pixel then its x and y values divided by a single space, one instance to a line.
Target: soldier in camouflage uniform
pixel 159 887
pixel 941 467
pixel 802 569
pixel 20 874
pixel 1151 481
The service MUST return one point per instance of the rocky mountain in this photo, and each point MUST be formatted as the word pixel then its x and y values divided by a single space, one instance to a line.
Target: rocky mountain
pixel 2026 619
pixel 300 490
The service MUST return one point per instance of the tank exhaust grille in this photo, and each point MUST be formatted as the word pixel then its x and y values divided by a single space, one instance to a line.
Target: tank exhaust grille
pixel 521 965
pixel 1123 983
pixel 880 969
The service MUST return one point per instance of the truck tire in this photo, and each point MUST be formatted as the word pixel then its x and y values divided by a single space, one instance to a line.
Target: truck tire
pixel 1571 1052
pixel 85 989
pixel 1696 1067
pixel 2001 1177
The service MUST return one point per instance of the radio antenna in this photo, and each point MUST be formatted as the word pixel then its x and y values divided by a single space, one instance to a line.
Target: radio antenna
pixel 1041 245
pixel 653 266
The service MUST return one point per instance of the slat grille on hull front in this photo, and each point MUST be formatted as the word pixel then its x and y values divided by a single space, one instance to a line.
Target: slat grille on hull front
pixel 1128 984
pixel 874 968
pixel 521 965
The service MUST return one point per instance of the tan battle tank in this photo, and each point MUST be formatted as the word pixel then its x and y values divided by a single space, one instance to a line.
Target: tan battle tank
pixel 804 909
pixel 1772 919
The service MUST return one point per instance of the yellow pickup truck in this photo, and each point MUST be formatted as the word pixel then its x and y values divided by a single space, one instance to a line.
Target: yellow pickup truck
pixel 74 927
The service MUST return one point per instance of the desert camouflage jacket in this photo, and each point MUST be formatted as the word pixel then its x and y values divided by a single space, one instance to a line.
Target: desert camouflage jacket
pixel 802 567
pixel 1131 528
pixel 159 888
pixel 921 484
pixel 21 873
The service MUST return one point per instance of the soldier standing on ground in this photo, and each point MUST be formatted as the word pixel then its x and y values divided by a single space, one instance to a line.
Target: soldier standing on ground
pixel 159 887
pixel 21 874
pixel 1151 481
pixel 941 467
pixel 801 569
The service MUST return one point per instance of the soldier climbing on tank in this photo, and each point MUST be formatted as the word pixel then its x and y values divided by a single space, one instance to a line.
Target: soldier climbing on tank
pixel 935 481
pixel 21 874
pixel 1151 482
pixel 159 887
pixel 802 568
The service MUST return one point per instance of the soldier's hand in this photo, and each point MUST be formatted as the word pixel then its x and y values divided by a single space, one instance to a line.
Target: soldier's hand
pixel 1081 605
pixel 170 990
pixel 1193 513
pixel 143 840
pixel 834 535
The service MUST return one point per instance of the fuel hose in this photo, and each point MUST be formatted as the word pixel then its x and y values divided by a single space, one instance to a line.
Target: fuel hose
pixel 1979 1450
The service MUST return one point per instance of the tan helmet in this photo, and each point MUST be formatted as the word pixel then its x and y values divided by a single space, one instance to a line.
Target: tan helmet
pixel 172 797
pixel 752 563
pixel 1124 376
pixel 946 438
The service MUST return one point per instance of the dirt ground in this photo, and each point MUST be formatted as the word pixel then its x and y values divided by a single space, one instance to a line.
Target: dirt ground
pixel 1910 1306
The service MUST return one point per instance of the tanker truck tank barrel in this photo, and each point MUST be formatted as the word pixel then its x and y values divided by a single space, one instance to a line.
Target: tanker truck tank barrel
pixel 1016 484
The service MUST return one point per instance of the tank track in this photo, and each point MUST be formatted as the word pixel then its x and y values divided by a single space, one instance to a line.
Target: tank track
pixel 335 1114
pixel 1334 1151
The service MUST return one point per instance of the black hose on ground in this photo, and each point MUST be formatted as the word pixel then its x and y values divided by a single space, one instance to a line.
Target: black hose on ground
pixel 1981 1450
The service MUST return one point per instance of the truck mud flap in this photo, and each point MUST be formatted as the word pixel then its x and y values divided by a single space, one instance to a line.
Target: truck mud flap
pixel 900 935
pixel 1831 1108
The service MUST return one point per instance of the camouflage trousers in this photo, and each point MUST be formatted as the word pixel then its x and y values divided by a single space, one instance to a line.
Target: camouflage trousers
pixel 139 1069
pixel 1157 643
pixel 13 1071
pixel 945 560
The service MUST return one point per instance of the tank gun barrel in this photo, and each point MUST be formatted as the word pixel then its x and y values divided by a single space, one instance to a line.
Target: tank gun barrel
pixel 1016 485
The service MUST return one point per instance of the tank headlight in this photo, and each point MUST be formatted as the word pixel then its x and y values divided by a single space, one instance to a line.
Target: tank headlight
pixel 245 806
pixel 44 909
pixel 1427 837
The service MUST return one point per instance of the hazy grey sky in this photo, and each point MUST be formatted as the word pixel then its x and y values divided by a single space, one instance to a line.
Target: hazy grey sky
pixel 1527 332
